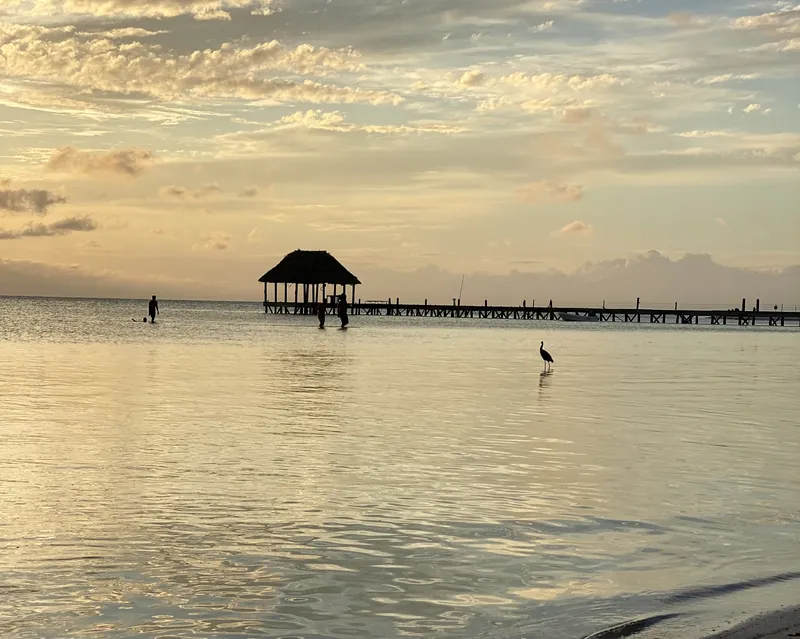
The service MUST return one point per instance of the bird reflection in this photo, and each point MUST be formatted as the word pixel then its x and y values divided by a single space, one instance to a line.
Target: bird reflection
pixel 544 378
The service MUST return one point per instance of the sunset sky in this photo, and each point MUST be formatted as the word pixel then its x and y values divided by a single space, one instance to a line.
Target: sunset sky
pixel 178 142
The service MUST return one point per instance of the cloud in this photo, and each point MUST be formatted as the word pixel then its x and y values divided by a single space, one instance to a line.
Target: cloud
pixel 125 162
pixel 215 240
pixel 181 192
pixel 577 228
pixel 36 201
pixel 335 121
pixel 472 78
pixel 577 115
pixel 291 129
pixel 781 26
pixel 561 81
pixel 682 19
pixel 178 192
pixel 137 69
pixel 787 21
pixel 756 108
pixel 727 77
pixel 198 9
pixel 207 190
pixel 544 192
pixel 61 227
pixel 125 33
pixel 250 191
pixel 705 134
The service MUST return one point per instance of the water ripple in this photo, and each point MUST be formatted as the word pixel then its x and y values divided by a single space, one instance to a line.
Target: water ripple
pixel 222 476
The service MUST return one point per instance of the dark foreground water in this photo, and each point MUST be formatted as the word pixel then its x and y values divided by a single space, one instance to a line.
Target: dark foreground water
pixel 227 474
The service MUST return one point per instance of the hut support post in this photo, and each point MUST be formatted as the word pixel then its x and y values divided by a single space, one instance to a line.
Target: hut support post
pixel 265 297
pixel 295 299
pixel 276 297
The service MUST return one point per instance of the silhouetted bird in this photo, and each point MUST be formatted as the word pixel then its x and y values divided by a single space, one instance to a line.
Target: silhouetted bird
pixel 548 359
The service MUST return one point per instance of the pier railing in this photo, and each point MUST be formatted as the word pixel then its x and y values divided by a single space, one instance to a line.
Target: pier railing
pixel 675 315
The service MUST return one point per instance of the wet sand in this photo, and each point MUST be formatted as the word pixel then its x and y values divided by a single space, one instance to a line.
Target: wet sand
pixel 780 624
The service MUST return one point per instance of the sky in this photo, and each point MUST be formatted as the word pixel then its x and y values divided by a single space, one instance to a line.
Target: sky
pixel 185 146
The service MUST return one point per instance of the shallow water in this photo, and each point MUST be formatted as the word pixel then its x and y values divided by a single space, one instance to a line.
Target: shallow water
pixel 223 473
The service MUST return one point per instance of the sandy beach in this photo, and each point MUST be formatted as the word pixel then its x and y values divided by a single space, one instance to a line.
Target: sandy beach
pixel 780 624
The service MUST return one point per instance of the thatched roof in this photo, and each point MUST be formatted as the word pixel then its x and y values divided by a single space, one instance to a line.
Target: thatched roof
pixel 310 267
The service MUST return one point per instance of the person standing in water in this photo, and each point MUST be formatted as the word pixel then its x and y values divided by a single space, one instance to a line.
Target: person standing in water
pixel 153 310
pixel 343 310
pixel 321 313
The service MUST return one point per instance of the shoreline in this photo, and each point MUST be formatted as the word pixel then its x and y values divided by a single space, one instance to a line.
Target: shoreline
pixel 783 623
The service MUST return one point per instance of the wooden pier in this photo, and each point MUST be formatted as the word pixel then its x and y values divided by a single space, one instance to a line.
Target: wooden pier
pixel 775 318
pixel 313 271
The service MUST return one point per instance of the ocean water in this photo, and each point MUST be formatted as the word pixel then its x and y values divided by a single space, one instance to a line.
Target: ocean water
pixel 223 473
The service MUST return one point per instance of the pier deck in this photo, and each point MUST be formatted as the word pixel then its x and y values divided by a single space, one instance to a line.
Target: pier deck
pixel 624 315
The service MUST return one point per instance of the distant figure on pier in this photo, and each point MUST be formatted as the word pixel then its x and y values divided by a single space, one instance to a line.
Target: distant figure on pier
pixel 548 359
pixel 342 310
pixel 550 305
pixel 153 309
pixel 321 313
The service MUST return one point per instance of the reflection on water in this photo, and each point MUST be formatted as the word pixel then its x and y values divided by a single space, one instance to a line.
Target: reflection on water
pixel 226 474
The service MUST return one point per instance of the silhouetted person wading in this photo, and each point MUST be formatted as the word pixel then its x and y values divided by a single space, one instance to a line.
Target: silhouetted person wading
pixel 321 314
pixel 343 311
pixel 153 310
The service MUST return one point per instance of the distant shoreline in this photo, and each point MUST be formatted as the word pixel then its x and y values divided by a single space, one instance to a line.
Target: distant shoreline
pixel 789 307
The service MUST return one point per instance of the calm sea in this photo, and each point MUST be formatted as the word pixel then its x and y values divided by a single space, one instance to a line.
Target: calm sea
pixel 224 473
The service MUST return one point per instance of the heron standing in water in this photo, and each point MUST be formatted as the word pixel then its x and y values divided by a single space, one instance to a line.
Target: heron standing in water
pixel 548 359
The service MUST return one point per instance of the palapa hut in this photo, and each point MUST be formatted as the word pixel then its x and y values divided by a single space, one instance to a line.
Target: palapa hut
pixel 311 270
